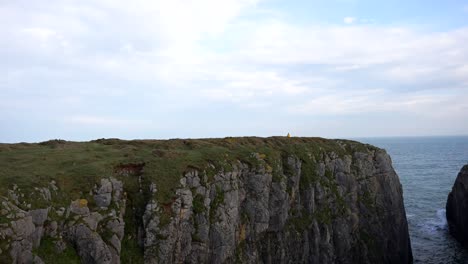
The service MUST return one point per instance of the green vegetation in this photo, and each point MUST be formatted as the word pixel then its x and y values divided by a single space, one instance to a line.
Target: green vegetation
pixel 4 244
pixel 300 220
pixel 239 252
pixel 198 204
pixel 77 166
pixel 131 252
pixel 217 201
pixel 324 215
pixel 48 253
pixel 367 199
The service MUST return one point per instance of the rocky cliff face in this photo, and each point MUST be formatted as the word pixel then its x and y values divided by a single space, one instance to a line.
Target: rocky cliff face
pixel 457 207
pixel 93 236
pixel 293 205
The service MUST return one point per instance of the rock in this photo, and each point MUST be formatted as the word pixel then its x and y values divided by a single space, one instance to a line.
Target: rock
pixel 92 220
pixel 23 227
pixel 109 189
pixel 45 194
pixel 457 208
pixel 103 200
pixel 79 207
pixel 60 212
pixel 36 236
pixel 117 189
pixel 37 260
pixel 20 215
pixel 89 245
pixel 117 227
pixel 349 210
pixel 103 194
pixel 21 251
pixel 51 229
pixel 53 185
pixel 115 243
pixel 86 237
pixel 39 216
pixel 60 246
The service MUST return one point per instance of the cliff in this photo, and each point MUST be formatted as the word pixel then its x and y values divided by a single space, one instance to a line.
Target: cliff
pixel 247 200
pixel 457 207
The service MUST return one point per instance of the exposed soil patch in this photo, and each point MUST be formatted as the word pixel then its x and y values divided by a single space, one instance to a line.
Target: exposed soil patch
pixel 129 169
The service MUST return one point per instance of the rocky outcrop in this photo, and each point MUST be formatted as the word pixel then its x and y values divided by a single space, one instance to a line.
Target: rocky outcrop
pixel 339 202
pixel 457 207
pixel 95 235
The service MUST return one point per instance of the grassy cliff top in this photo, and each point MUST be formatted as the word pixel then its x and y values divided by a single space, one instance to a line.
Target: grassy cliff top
pixel 77 166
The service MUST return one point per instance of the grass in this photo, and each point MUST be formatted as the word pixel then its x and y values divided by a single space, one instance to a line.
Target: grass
pixel 77 166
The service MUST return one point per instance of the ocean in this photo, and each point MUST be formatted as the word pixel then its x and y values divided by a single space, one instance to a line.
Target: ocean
pixel 427 167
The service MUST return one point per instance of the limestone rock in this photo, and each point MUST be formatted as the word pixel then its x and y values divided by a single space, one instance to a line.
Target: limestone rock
pixel 89 245
pixel 39 216
pixel 348 209
pixel 103 195
pixel 37 260
pixel 79 207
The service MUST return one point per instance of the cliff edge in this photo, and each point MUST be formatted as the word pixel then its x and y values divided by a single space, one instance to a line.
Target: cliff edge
pixel 231 200
pixel 457 207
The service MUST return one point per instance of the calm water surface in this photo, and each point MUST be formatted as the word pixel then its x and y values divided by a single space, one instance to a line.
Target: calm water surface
pixel 427 167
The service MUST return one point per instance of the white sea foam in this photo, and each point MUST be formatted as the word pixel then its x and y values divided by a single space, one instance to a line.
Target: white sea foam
pixel 438 223
pixel 408 216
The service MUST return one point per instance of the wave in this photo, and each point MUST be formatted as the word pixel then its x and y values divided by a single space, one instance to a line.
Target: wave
pixel 438 223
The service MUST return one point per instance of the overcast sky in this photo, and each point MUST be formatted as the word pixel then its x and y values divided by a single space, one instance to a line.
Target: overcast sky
pixel 81 70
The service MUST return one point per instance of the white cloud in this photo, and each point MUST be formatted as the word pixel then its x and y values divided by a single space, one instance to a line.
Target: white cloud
pixel 42 34
pixel 242 85
pixel 411 73
pixel 347 45
pixel 422 105
pixel 394 54
pixel 349 20
pixel 210 51
pixel 461 71
pixel 164 41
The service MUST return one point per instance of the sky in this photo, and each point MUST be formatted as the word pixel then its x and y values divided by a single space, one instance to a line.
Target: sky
pixel 81 70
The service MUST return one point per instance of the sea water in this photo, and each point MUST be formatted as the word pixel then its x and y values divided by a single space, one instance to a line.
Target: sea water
pixel 427 167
